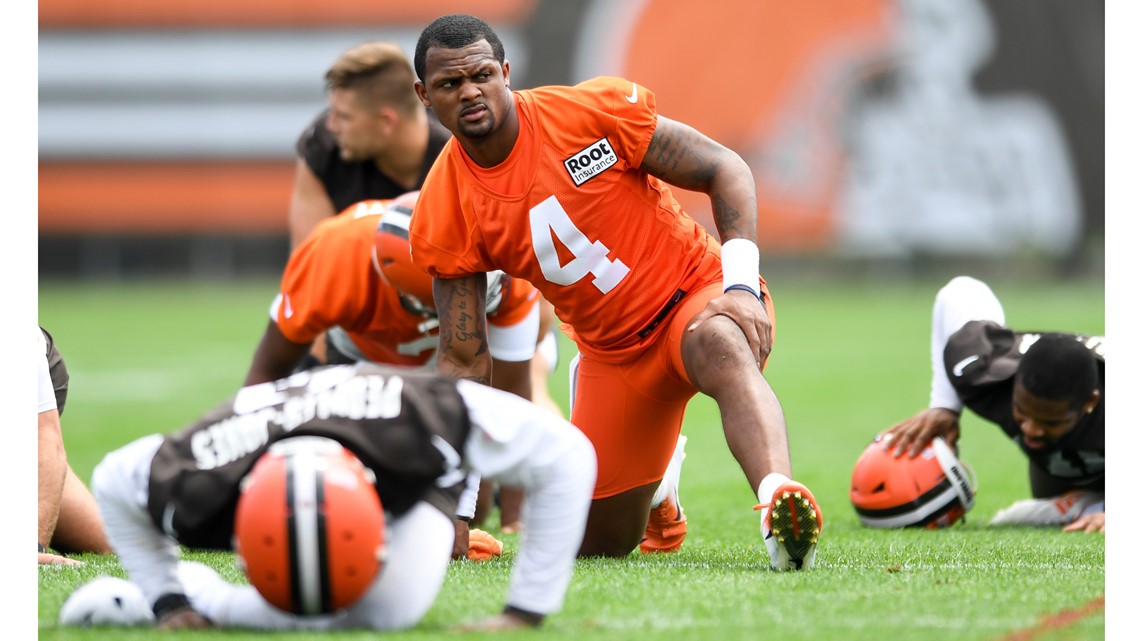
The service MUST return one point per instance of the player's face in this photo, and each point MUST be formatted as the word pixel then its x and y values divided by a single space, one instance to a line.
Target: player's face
pixel 1043 422
pixel 467 88
pixel 357 128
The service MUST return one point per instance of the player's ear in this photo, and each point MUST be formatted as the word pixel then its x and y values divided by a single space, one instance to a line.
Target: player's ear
pixel 507 73
pixel 421 91
pixel 1091 404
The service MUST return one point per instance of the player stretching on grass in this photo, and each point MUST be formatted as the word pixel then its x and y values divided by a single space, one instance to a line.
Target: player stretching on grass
pixel 565 187
pixel 418 434
pixel 1044 390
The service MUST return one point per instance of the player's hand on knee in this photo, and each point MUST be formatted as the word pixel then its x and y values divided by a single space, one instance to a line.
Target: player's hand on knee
pixel 743 309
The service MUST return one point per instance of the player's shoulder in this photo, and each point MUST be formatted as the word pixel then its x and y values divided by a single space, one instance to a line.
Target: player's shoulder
pixel 316 144
pixel 442 178
pixel 316 133
pixel 341 233
pixel 599 89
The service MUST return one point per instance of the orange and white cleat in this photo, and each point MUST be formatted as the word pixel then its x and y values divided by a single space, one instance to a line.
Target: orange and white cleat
pixel 791 524
pixel 667 523
pixel 666 529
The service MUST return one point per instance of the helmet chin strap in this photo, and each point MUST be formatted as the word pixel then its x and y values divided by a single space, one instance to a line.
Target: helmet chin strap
pixel 960 475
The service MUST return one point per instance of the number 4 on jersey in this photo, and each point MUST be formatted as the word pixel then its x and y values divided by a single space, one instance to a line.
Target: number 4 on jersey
pixel 589 256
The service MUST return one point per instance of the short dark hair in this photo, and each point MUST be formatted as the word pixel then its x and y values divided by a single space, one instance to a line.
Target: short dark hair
pixel 455 31
pixel 1059 367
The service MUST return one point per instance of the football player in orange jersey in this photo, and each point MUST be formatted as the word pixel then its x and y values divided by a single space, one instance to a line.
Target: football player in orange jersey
pixel 378 309
pixel 334 280
pixel 566 187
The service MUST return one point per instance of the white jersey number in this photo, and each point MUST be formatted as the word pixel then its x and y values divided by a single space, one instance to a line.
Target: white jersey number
pixel 549 218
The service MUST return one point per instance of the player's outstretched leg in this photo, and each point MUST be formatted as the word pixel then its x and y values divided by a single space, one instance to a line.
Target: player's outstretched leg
pixel 667 523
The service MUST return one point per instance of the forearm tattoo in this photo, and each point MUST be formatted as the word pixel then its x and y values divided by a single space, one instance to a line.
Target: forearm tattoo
pixel 459 322
pixel 728 219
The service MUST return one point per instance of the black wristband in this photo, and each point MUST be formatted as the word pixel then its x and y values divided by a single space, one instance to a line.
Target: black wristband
pixel 532 618
pixel 744 288
pixel 168 604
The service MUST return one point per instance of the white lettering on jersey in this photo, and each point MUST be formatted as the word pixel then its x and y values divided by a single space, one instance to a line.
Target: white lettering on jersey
pixel 369 208
pixel 590 257
pixel 231 439
pixel 591 161
pixel 1095 345
pixel 362 397
pixel 1027 341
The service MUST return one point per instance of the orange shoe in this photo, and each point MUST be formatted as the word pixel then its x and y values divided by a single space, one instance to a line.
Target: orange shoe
pixel 791 524
pixel 666 529
pixel 483 546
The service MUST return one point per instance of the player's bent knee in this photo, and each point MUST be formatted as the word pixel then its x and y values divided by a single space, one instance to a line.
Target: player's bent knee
pixel 716 343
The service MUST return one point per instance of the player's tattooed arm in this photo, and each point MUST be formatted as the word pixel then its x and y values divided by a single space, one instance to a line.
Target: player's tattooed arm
pixel 461 305
pixel 686 158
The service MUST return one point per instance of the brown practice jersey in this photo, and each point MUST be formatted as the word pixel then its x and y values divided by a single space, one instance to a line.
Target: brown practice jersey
pixel 981 359
pixel 407 427
pixel 351 182
pixel 570 211
pixel 60 379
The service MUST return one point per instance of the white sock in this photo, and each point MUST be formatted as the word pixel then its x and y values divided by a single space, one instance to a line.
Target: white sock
pixel 672 476
pixel 769 485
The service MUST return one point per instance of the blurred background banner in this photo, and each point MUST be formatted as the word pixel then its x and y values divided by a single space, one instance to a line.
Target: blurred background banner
pixel 890 130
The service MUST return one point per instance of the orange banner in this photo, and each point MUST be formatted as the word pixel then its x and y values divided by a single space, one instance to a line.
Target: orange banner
pixel 165 197
pixel 69 14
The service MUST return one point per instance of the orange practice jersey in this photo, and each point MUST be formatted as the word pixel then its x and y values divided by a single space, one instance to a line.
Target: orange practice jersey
pixel 331 280
pixel 570 212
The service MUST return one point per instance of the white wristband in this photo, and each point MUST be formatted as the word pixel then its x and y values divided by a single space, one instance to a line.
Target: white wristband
pixel 740 265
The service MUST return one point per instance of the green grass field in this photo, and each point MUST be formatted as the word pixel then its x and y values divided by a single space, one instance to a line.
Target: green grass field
pixel 850 360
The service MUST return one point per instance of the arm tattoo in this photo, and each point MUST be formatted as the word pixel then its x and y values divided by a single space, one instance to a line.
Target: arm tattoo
pixel 686 158
pixel 459 319
pixel 681 156
pixel 728 219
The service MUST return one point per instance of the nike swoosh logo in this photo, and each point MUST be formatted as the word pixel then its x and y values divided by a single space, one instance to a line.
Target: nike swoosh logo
pixel 962 364
pixel 288 307
pixel 632 98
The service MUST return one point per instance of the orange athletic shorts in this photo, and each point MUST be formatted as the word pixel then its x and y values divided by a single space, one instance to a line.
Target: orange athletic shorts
pixel 632 411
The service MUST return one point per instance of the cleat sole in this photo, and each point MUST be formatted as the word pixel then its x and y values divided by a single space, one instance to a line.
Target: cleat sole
pixel 801 523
